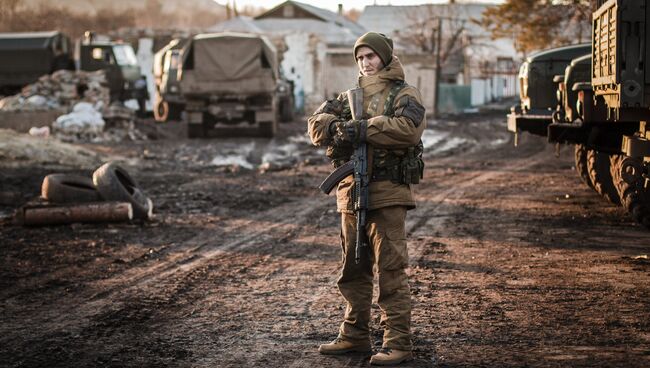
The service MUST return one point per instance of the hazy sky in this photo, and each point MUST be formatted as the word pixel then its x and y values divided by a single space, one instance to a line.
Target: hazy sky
pixel 333 4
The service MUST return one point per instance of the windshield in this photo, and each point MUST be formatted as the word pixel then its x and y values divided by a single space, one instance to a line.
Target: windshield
pixel 124 55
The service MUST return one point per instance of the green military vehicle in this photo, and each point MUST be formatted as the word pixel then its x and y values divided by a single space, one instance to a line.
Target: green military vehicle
pixel 229 82
pixel 620 79
pixel 537 88
pixel 604 104
pixel 168 101
pixel 27 56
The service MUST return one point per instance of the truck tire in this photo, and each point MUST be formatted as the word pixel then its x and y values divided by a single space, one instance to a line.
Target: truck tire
pixel 614 169
pixel 286 110
pixel 174 112
pixel 114 184
pixel 68 188
pixel 630 182
pixel 267 129
pixel 601 178
pixel 195 131
pixel 580 156
pixel 161 111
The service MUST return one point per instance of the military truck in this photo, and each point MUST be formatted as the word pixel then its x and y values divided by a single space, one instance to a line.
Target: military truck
pixel 229 82
pixel 168 101
pixel 27 56
pixel 118 60
pixel 620 78
pixel 537 88
pixel 605 112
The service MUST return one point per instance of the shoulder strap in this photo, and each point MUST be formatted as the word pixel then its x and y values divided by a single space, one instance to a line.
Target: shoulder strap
pixel 389 109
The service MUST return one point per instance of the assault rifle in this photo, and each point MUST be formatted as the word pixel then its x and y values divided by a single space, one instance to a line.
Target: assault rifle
pixel 359 167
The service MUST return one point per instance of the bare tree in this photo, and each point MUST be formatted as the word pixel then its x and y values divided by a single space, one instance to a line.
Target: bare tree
pixel 421 33
pixel 539 24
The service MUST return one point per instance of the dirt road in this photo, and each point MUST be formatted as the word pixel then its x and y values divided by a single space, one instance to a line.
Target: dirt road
pixel 514 262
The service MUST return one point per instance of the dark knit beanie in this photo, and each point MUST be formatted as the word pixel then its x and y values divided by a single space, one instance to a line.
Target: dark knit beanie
pixel 379 43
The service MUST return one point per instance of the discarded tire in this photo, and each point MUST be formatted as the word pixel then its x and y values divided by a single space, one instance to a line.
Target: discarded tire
pixel 114 184
pixel 601 178
pixel 631 184
pixel 68 188
pixel 580 156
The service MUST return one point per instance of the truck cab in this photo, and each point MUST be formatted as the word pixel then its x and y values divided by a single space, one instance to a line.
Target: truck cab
pixel 119 62
pixel 538 90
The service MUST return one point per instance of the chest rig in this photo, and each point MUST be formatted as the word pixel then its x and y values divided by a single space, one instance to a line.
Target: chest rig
pixel 400 166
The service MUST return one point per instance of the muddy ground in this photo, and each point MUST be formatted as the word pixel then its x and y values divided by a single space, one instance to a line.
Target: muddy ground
pixel 514 262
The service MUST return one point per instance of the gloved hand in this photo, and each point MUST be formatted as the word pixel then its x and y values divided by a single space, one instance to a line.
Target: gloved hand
pixel 352 131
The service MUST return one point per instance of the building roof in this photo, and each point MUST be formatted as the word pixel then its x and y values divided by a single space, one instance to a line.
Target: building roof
pixel 330 27
pixel 237 24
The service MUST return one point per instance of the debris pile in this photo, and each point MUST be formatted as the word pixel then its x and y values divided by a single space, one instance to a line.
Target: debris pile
pixel 97 123
pixel 60 90
pixel 86 98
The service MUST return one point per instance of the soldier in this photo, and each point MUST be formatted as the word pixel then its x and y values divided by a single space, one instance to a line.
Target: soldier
pixel 394 120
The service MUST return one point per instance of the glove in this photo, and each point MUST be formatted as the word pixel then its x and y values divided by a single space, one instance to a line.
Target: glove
pixel 351 131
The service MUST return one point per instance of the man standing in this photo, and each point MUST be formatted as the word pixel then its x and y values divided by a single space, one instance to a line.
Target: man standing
pixel 392 126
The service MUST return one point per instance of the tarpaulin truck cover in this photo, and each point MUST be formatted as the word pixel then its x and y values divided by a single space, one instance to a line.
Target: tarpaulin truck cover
pixel 229 63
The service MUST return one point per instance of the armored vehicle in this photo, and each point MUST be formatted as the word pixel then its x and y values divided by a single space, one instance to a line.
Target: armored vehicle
pixel 537 90
pixel 168 101
pixel 27 56
pixel 229 82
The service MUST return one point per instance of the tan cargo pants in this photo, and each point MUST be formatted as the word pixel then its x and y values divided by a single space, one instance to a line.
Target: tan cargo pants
pixel 387 251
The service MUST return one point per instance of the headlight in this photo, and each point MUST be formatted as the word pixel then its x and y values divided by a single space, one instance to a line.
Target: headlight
pixel 173 89
pixel 282 89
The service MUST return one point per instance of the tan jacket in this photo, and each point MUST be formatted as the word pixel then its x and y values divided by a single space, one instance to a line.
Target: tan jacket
pixel 383 132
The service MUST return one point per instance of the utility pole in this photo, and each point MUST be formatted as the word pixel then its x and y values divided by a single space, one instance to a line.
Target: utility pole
pixel 436 85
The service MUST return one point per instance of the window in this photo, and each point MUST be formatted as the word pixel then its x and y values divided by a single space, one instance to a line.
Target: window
pixel 124 55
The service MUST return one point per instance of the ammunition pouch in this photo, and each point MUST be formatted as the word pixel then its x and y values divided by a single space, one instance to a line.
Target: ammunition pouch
pixel 399 166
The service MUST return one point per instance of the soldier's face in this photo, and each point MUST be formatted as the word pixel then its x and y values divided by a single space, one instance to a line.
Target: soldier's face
pixel 368 61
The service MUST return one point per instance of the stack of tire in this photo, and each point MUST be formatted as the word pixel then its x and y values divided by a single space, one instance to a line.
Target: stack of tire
pixel 110 182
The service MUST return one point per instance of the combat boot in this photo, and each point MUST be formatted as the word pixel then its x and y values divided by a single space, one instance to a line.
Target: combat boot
pixel 341 346
pixel 391 357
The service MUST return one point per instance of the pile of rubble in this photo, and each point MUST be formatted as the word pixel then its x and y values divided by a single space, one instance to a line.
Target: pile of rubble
pixel 60 90
pixel 97 123
pixel 85 97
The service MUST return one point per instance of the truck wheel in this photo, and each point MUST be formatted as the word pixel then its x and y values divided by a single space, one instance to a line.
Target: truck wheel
pixel 286 110
pixel 631 183
pixel 195 131
pixel 267 129
pixel 114 184
pixel 614 169
pixel 161 111
pixel 580 156
pixel 175 111
pixel 65 188
pixel 601 178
